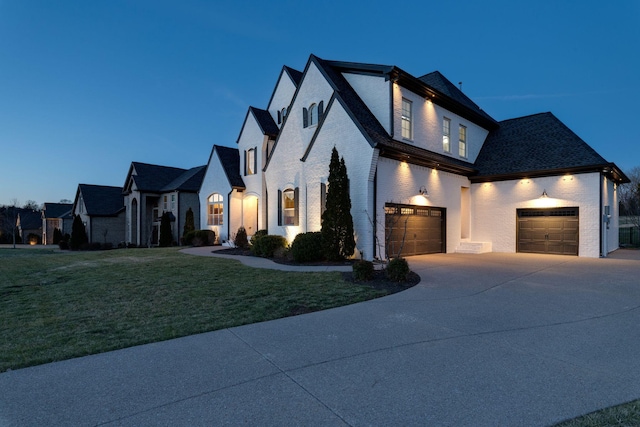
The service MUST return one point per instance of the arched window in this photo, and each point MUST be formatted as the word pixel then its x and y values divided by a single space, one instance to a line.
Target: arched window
pixel 215 209
pixel 283 113
pixel 313 114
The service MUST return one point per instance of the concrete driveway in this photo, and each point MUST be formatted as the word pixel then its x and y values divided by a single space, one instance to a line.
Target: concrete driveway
pixel 483 340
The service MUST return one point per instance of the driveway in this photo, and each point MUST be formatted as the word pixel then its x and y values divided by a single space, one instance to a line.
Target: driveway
pixel 483 340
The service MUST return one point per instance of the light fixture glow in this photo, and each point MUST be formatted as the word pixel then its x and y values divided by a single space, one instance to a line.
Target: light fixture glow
pixel 544 195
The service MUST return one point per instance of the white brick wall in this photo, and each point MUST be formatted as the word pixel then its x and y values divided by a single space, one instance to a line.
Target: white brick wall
pixel 494 208
pixel 427 126
pixel 282 95
pixel 376 94
pixel 215 181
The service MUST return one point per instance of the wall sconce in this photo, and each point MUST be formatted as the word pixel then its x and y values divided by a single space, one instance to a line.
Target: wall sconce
pixel 423 191
pixel 544 195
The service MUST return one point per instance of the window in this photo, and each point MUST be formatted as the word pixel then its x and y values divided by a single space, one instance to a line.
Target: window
pixel 215 209
pixel 311 115
pixel 462 141
pixel 250 165
pixel 165 204
pixel 406 119
pixel 283 114
pixel 446 135
pixel 288 207
pixel 173 202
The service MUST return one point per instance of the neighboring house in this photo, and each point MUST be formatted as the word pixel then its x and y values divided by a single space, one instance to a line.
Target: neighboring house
pixel 56 215
pixel 151 190
pixel 101 209
pixel 30 226
pixel 429 170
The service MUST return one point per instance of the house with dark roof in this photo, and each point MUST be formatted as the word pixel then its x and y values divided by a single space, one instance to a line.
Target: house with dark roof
pixel 429 170
pixel 101 209
pixel 151 190
pixel 56 215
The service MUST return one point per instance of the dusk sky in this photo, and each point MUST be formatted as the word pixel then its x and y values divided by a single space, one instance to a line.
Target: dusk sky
pixel 87 87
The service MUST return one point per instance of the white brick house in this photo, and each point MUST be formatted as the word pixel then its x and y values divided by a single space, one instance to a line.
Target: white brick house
pixel 421 156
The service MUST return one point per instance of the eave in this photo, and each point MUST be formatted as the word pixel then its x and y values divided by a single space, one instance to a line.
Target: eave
pixel 609 169
pixel 425 159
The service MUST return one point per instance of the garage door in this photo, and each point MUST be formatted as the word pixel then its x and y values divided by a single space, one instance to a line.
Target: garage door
pixel 420 227
pixel 548 231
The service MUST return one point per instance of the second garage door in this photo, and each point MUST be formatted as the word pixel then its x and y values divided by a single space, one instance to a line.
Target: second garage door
pixel 548 231
pixel 420 227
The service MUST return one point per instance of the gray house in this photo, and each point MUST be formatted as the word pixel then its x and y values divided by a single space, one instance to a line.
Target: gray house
pixel 102 211
pixel 151 190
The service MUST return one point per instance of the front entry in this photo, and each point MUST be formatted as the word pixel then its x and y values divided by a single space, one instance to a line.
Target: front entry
pixel 414 230
pixel 548 231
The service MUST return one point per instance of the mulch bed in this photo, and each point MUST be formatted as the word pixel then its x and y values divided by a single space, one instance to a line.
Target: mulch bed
pixel 379 280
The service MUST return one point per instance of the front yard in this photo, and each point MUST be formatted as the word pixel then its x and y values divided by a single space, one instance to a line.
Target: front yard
pixel 55 306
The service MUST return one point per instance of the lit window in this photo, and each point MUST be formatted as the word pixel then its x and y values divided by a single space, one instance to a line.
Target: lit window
pixel 165 204
pixel 215 210
pixel 313 114
pixel 406 119
pixel 446 135
pixel 462 141
pixel 250 162
pixel 289 204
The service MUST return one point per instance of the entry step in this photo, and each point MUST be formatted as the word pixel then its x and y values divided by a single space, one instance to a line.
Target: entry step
pixel 474 247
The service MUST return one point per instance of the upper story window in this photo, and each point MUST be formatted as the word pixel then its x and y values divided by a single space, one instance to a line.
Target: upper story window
pixel 446 135
pixel 250 165
pixel 165 203
pixel 311 115
pixel 407 119
pixel 281 115
pixel 173 202
pixel 215 209
pixel 462 141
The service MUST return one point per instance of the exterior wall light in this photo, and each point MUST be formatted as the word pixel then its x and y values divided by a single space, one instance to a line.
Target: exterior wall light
pixel 423 191
pixel 544 194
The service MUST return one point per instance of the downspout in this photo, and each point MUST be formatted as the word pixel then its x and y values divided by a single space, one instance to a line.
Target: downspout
pixel 306 208
pixel 391 112
pixel 375 217
pixel 229 215
pixel 602 254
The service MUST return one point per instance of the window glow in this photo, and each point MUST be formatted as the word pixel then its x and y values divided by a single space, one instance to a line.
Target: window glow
pixel 289 207
pixel 446 135
pixel 462 141
pixel 406 119
pixel 215 209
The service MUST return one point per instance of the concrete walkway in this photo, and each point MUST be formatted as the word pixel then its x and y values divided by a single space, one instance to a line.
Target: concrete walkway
pixel 483 340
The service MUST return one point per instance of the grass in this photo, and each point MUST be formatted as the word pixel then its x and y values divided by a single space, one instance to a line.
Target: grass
pixel 55 306
pixel 625 415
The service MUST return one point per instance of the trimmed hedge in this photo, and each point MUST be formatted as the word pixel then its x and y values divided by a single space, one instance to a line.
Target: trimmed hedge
pixel 241 238
pixel 307 247
pixel 257 235
pixel 199 238
pixel 363 270
pixel 266 246
pixel 397 270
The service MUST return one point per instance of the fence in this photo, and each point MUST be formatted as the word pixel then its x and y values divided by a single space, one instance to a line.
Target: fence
pixel 629 236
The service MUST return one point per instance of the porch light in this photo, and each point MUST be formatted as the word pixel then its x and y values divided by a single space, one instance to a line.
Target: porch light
pixel 544 195
pixel 423 191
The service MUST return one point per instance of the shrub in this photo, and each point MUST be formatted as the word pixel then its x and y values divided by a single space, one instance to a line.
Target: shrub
pixel 307 247
pixel 199 238
pixel 257 235
pixel 63 245
pixel 165 230
pixel 363 270
pixel 397 270
pixel 266 246
pixel 57 235
pixel 78 234
pixel 241 239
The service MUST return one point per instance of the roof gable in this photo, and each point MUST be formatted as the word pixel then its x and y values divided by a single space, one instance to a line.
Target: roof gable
pixel 57 210
pixel 151 178
pixel 230 161
pixel 101 200
pixel 188 181
pixel 535 143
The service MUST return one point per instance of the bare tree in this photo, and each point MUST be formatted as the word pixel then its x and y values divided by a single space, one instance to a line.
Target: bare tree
pixel 629 197
pixel 9 219
pixel 31 205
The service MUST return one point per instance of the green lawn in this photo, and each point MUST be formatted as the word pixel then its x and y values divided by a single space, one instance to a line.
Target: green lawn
pixel 625 415
pixel 55 306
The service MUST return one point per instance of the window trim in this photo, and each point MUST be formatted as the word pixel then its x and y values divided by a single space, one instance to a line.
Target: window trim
pixel 446 135
pixel 215 200
pixel 462 141
pixel 406 119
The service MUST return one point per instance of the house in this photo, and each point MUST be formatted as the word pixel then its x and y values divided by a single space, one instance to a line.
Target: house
pixel 56 215
pixel 30 226
pixel 151 190
pixel 101 209
pixel 429 170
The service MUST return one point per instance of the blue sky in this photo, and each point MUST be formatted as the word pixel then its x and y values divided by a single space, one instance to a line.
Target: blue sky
pixel 87 87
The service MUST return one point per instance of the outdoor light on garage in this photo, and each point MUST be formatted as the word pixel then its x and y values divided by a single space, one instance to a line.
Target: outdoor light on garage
pixel 423 191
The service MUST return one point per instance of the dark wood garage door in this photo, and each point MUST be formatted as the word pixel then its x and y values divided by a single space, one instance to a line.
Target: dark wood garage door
pixel 424 225
pixel 548 231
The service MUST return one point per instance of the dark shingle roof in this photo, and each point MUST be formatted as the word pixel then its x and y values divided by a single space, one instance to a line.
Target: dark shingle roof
pixel 441 84
pixel 154 178
pixel 30 220
pixel 230 160
pixel 58 210
pixel 265 121
pixel 532 144
pixel 189 180
pixel 102 200
pixel 295 75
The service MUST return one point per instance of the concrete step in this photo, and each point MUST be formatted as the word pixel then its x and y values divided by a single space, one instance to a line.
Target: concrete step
pixel 473 247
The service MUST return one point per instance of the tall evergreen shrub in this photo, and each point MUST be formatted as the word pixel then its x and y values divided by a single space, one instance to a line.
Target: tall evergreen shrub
pixel 189 222
pixel 165 230
pixel 78 234
pixel 338 241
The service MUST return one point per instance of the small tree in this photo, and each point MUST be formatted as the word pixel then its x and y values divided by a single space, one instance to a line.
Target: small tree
pixel 189 222
pixel 338 241
pixel 165 230
pixel 241 238
pixel 57 235
pixel 78 234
